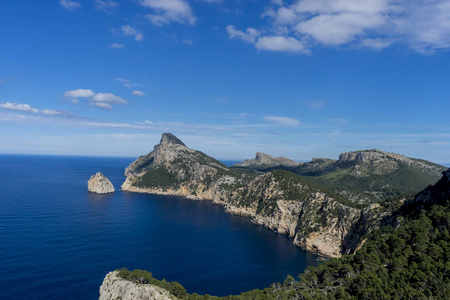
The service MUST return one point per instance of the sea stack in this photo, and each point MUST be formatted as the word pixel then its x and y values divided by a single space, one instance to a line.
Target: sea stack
pixel 99 184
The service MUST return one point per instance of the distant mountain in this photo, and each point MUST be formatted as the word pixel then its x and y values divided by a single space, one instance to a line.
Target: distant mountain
pixel 263 160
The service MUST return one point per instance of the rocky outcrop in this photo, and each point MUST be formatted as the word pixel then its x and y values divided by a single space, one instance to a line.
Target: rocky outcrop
pixel 266 160
pixel 115 288
pixel 99 184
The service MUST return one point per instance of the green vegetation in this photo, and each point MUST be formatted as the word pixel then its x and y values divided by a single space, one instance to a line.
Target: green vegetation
pixel 157 177
pixel 290 182
pixel 144 277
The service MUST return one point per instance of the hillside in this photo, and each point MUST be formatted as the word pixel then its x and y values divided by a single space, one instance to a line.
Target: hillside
pixel 407 258
pixel 365 177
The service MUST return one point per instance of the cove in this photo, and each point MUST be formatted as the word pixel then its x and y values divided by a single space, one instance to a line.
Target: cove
pixel 59 241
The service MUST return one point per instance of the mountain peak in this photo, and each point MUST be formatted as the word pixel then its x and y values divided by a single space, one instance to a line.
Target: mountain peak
pixel 170 139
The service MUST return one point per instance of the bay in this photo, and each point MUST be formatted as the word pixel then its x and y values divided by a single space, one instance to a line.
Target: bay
pixel 59 241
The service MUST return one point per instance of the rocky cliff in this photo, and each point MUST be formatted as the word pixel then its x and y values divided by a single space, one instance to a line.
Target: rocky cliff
pixel 99 184
pixel 117 288
pixel 318 220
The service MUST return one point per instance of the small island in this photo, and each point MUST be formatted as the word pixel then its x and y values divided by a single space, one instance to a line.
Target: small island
pixel 98 183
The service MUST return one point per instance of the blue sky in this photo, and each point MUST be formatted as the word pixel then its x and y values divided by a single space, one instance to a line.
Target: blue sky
pixel 299 78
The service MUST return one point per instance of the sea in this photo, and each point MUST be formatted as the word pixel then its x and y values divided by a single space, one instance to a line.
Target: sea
pixel 58 241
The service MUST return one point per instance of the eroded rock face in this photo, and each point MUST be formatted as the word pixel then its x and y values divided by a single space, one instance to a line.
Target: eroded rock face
pixel 99 184
pixel 114 287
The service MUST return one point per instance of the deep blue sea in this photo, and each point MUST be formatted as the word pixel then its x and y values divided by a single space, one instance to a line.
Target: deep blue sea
pixel 57 241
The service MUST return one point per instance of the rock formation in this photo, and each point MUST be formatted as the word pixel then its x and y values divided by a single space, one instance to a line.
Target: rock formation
pixel 99 184
pixel 114 287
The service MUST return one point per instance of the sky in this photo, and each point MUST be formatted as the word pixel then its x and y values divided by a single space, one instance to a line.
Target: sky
pixel 301 78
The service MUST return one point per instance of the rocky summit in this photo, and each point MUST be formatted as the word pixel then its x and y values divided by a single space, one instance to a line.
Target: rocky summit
pixel 99 184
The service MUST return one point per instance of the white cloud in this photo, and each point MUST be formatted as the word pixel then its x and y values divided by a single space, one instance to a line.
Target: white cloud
pixel 116 46
pixel 79 93
pixel 370 24
pixel 285 121
pixel 280 43
pixel 105 5
pixel 187 42
pixel 108 98
pixel 338 29
pixel 28 108
pixel 249 36
pixel 130 31
pixel 138 93
pixel 70 5
pixel 19 107
pixel 101 100
pixel 167 11
pixel 102 105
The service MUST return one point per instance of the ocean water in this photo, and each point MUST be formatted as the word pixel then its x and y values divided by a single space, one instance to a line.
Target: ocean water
pixel 57 241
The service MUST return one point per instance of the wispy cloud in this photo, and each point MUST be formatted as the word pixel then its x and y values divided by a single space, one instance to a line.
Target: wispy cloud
pixel 27 108
pixel 127 82
pixel 130 31
pixel 106 5
pixel 339 121
pixel 69 5
pixel 116 46
pixel 138 93
pixel 285 121
pixel 167 11
pixel 317 104
pixel 249 36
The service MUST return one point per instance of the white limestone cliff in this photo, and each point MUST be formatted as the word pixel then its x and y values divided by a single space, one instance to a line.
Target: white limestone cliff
pixel 115 288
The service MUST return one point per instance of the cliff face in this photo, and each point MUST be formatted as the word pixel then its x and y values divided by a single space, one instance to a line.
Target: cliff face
pixel 99 184
pixel 115 288
pixel 279 200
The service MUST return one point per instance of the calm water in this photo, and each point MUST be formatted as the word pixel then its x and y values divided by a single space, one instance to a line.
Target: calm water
pixel 57 241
